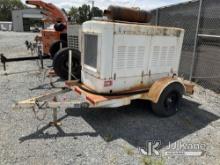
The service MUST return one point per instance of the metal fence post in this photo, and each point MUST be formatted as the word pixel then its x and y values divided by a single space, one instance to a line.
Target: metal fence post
pixel 196 40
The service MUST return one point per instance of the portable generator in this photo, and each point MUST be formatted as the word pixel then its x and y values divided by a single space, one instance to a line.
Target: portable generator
pixel 119 56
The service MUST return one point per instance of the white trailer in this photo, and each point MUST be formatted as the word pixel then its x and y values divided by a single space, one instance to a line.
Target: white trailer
pixel 122 62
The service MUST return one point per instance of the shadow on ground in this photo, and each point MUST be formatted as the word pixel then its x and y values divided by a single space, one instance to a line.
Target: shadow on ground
pixel 135 124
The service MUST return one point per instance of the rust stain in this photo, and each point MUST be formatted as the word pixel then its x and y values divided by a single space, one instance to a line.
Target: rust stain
pixel 189 86
pixel 127 14
pixel 140 87
pixel 153 94
pixel 156 88
pixel 95 98
pixel 72 83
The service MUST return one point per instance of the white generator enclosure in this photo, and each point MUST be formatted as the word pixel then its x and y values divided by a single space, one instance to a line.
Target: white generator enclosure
pixel 124 56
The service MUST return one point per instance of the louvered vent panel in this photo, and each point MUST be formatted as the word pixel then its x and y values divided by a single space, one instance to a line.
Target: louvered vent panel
pixel 120 60
pixel 140 57
pixel 163 56
pixel 131 57
pixel 73 42
pixel 171 56
pixel 155 56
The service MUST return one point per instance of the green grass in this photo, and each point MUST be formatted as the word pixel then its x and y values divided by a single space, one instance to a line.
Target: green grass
pixel 146 160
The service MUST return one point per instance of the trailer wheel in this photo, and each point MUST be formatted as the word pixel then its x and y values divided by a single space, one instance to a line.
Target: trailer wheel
pixel 60 63
pixel 169 100
pixel 55 47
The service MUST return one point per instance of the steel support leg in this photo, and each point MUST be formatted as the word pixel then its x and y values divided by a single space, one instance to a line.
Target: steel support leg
pixel 55 121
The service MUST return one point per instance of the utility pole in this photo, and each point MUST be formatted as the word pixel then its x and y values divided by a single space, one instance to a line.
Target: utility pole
pixel 93 4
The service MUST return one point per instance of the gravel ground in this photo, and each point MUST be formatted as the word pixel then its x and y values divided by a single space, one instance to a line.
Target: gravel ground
pixel 97 136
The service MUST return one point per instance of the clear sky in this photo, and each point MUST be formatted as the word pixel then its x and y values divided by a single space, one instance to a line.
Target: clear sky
pixel 143 4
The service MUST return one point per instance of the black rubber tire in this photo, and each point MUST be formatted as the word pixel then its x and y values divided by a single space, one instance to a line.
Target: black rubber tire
pixel 60 63
pixel 169 100
pixel 55 47
pixel 59 27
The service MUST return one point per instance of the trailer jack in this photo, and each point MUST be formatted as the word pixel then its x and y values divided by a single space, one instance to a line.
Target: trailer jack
pixel 5 60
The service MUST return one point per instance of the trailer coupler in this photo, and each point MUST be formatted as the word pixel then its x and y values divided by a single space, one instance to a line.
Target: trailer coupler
pixel 5 60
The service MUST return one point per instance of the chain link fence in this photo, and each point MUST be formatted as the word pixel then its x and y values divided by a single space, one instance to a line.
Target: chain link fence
pixel 200 59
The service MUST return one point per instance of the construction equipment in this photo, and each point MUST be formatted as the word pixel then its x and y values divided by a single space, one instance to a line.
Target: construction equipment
pixel 52 39
pixel 121 62
pixel 52 13
pixel 61 58
pixel 114 13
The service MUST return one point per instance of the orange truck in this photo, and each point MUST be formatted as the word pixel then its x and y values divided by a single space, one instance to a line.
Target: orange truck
pixel 55 38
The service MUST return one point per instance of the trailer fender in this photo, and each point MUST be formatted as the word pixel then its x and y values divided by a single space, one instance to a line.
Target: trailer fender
pixel 160 85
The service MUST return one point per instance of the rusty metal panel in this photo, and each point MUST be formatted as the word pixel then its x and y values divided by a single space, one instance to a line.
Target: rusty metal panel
pixel 158 87
pixel 48 38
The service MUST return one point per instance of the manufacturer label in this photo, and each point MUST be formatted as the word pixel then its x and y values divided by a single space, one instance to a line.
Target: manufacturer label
pixel 108 83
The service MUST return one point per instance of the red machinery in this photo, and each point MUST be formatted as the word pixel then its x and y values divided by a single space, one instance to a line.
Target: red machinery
pixel 52 38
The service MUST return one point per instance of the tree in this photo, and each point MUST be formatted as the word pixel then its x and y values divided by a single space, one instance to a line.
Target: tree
pixel 96 12
pixel 73 13
pixel 84 13
pixel 6 6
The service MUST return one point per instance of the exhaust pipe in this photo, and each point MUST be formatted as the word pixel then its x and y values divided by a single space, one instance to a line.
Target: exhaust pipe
pixel 127 14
